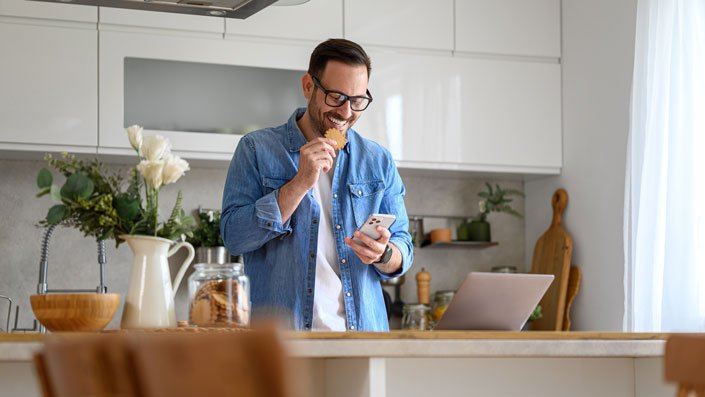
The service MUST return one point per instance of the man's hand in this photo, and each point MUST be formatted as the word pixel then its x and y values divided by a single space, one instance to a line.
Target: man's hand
pixel 314 156
pixel 370 251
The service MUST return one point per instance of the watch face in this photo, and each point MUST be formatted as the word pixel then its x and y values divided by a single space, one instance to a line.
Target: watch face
pixel 387 254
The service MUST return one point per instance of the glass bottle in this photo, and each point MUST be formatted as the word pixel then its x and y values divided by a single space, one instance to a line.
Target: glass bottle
pixel 219 296
pixel 415 317
pixel 441 299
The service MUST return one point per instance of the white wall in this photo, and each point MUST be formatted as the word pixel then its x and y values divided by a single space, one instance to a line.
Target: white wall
pixel 597 57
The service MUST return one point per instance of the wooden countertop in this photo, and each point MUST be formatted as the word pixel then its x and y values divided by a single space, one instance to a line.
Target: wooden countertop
pixel 402 335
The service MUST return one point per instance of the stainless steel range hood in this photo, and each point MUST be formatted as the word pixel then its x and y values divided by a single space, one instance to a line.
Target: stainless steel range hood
pixel 239 9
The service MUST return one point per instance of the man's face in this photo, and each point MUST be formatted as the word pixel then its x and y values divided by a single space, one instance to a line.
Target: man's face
pixel 337 76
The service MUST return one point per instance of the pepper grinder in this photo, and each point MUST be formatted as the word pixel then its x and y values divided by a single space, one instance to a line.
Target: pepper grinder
pixel 423 282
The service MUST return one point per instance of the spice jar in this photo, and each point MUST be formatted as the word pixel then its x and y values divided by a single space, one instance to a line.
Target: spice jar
pixel 415 316
pixel 441 299
pixel 219 295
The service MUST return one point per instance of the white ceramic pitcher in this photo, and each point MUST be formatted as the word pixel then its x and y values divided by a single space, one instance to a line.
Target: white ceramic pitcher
pixel 149 302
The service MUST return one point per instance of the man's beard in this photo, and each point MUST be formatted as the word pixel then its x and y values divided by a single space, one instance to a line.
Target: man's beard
pixel 319 123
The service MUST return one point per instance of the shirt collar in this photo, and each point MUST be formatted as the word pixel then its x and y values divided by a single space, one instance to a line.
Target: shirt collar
pixel 296 138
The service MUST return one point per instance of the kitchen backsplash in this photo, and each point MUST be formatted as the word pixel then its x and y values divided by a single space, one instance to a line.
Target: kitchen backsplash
pixel 73 258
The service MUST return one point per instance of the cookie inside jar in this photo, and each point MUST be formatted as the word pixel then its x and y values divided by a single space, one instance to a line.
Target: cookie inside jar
pixel 219 296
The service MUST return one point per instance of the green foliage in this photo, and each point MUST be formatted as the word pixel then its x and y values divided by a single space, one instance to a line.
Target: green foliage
pixel 496 200
pixel 93 201
pixel 536 314
pixel 207 234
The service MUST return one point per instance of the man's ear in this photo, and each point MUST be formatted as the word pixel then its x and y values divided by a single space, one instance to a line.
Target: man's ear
pixel 307 86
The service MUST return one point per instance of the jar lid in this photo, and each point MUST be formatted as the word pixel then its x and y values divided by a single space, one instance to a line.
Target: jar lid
pixel 416 307
pixel 504 269
pixel 236 267
pixel 444 294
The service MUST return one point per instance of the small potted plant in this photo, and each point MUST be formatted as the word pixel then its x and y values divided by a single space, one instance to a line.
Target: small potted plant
pixel 493 200
pixel 207 240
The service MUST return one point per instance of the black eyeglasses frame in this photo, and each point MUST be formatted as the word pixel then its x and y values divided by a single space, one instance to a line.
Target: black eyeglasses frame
pixel 348 98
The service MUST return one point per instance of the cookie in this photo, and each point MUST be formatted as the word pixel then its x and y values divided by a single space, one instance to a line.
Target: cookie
pixel 337 136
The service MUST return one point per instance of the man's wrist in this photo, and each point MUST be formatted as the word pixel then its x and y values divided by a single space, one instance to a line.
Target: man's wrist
pixel 386 256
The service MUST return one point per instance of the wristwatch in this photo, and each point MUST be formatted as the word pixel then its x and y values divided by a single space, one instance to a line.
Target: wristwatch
pixel 386 256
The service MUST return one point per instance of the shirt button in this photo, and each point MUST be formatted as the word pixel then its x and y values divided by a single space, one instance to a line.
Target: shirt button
pixel 337 227
pixel 315 221
pixel 313 255
pixel 308 325
pixel 269 224
pixel 335 195
pixel 310 290
pixel 359 192
pixel 352 327
pixel 342 261
pixel 348 294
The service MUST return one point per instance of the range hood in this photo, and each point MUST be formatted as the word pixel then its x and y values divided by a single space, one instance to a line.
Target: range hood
pixel 239 9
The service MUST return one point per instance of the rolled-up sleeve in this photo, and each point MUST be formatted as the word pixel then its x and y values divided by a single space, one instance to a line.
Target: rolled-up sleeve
pixel 250 217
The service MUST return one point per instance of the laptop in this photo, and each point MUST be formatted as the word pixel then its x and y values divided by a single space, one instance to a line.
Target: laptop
pixel 494 301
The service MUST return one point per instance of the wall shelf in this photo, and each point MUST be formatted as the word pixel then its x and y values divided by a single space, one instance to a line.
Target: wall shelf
pixel 461 244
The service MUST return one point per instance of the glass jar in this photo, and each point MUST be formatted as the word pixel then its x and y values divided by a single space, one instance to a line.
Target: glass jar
pixel 415 316
pixel 219 296
pixel 441 299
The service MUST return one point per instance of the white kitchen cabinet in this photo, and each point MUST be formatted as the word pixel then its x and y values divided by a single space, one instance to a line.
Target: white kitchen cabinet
pixel 316 21
pixel 417 24
pixel 116 46
pixel 508 27
pixel 49 80
pixel 48 11
pixel 453 113
pixel 161 22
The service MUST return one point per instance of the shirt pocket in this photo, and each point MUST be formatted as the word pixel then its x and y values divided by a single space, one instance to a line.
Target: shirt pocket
pixel 366 198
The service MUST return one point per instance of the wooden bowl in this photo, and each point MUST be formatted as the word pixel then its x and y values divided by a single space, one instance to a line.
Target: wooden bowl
pixel 75 312
pixel 440 235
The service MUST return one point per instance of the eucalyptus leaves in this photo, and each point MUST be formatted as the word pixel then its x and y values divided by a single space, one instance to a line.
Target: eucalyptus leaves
pixel 92 199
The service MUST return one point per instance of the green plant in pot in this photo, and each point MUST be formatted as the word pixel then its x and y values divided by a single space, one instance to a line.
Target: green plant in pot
pixel 207 240
pixel 493 200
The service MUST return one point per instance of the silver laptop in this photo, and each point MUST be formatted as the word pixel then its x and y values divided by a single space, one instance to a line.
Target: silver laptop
pixel 494 301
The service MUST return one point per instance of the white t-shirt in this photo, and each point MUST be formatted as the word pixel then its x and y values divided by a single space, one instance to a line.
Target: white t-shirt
pixel 328 304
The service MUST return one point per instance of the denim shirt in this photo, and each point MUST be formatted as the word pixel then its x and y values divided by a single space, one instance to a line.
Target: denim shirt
pixel 281 258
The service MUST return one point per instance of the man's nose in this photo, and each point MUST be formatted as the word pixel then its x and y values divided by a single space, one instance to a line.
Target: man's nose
pixel 346 109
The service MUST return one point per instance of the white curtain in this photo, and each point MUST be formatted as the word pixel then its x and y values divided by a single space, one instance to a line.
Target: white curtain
pixel 664 217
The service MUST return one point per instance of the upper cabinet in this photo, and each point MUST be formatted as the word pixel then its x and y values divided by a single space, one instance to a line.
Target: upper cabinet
pixel 124 55
pixel 170 23
pixel 49 86
pixel 49 11
pixel 417 24
pixel 316 20
pixel 465 114
pixel 508 27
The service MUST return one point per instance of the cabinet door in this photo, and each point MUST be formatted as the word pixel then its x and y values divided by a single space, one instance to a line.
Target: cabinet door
pixel 322 19
pixel 513 27
pixel 169 23
pixel 465 114
pixel 401 23
pixel 116 46
pixel 52 11
pixel 49 85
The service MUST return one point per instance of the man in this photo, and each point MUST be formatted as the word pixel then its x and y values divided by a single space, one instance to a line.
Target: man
pixel 292 204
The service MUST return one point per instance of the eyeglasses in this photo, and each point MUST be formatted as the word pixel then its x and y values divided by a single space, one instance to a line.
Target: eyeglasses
pixel 337 99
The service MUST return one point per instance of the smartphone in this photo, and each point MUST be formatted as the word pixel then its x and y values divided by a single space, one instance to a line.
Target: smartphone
pixel 369 228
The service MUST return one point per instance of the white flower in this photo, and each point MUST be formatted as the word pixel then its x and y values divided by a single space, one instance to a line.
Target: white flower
pixel 152 172
pixel 174 168
pixel 155 147
pixel 134 134
pixel 483 207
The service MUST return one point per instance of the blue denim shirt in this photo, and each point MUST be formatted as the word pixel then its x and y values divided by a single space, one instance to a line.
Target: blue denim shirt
pixel 281 258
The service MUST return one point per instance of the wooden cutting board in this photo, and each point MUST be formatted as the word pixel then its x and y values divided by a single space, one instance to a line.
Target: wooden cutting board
pixel 552 256
pixel 572 290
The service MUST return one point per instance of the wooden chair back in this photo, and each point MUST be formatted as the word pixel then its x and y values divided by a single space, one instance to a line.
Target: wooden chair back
pixel 685 364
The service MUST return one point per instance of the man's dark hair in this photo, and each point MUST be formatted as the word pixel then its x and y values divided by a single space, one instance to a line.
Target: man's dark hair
pixel 341 50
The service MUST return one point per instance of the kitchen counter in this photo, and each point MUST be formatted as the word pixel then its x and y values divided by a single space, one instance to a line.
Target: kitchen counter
pixel 417 363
